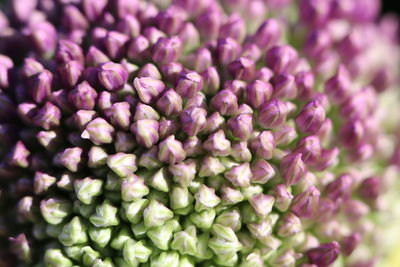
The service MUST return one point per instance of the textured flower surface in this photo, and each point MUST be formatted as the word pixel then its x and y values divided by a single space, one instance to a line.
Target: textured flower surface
pixel 184 133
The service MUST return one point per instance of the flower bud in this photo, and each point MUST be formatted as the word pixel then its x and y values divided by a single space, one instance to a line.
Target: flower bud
pixel 305 204
pixel 171 151
pixel 88 189
pixel 42 182
pixel 273 114
pixel 133 188
pixel 99 132
pixel 19 155
pixel 261 230
pixel 112 76
pixel 262 204
pixel 167 259
pixel 105 215
pixel 40 89
pixel 258 92
pixel 54 210
pixel 339 189
pixel 206 198
pixel 209 23
pixel 83 96
pixel 44 38
pixel 138 49
pixel 242 69
pixel 284 86
pixel 241 152
pixel 370 188
pixel 167 50
pixel 183 173
pixel 122 164
pixel 149 159
pixel 54 257
pixel 193 120
pixel 203 219
pixel 262 172
pixel 240 175
pixel 135 252
pixel 227 50
pixel 115 43
pixel 89 256
pixel 156 214
pixel 310 149
pixel 324 254
pixel 289 225
pixel 217 144
pixel 241 126
pixel 189 84
pixel 311 117
pixel 73 233
pixel 268 34
pixel 148 88
pixel 281 59
pixel 146 132
pixel 71 158
pixel 149 70
pixel 263 144
pixel 224 241
pixel 69 51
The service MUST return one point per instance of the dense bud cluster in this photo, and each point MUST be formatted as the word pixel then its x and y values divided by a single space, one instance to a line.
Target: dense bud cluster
pixel 196 132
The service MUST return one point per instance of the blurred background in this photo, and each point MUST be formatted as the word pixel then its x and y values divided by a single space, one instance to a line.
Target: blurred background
pixel 391 6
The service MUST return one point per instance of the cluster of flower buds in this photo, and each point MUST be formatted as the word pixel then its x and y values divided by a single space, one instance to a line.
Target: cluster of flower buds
pixel 186 133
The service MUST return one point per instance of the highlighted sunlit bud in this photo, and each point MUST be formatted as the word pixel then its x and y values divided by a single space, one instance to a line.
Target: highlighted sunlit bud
pixel 133 188
pixel 134 210
pixel 171 151
pixel 206 198
pixel 105 215
pixel 97 157
pixel 156 214
pixel 54 257
pixel 240 175
pixel 43 182
pixel 88 189
pixel 122 164
pixel 73 233
pixel 305 204
pixel 54 211
pixel 203 219
pixel 99 132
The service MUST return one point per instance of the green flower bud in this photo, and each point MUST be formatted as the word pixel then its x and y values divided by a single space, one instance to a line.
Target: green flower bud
pixel 103 263
pixel 174 225
pixel 136 251
pixel 211 166
pixel 87 189
pixel 74 252
pixel 183 173
pixel 73 233
pixel 185 241
pixel 203 251
pixel 83 209
pixel 247 241
pixel 54 230
pixel 122 164
pixel 203 219
pixel 248 213
pixel 161 236
pixel 161 197
pixel 105 215
pixel 100 236
pixel 284 258
pixel 206 198
pixel 230 218
pixel 54 210
pixel 262 204
pixel 261 230
pixel 43 182
pixel 134 210
pixel 224 241
pixel 97 157
pixel 133 188
pixel 231 196
pixel 55 258
pixel 156 214
pixel 253 260
pixel 89 256
pixel 185 261
pixel 159 180
pixel 149 159
pixel 165 259
pixel 289 225
pixel 121 262
pixel 180 198
pixel 139 230
pixel 229 259
pixel 21 248
pixel 251 191
pixel 184 211
pixel 118 241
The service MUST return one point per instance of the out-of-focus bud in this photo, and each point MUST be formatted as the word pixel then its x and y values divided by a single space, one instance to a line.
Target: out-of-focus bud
pixel 268 34
pixel 311 117
pixel 281 59
pixel 21 247
pixel 115 43
pixel 227 50
pixel 284 86
pixel 19 155
pixel 234 28
pixel 340 189
pixel 209 23
pixel 138 49
pixel 72 19
pixel 242 69
pixel 68 51
pixel 44 38
pixel 305 204
pixel 289 225
pixel 324 254
pixel 370 188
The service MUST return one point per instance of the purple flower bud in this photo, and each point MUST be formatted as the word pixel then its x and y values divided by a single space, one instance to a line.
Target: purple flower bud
pixel 217 144
pixel 148 88
pixel 241 126
pixel 188 84
pixel 40 89
pixel 72 19
pixel 292 168
pixel 324 254
pixel 172 19
pixel 284 86
pixel 227 50
pixel 263 144
pixel 200 60
pixel 153 35
pixel 273 114
pixel 138 49
pixel 22 10
pixel 31 67
pixel 170 103
pixel 338 87
pixel 305 84
pixel 262 172
pixel 114 43
pixel 48 116
pixel 99 132
pixel 284 135
pixel 339 189
pixel 262 204
pixel 167 50
pixel 167 128
pixel 171 71
pixel 144 112
pixel 281 59
pixel 21 247
pixel 119 115
pixel 149 159
pixel 123 8
pixel 44 38
pixel 310 149
pixel 146 132
pixel 317 42
pixel 282 197
pixel 171 151
pixel 314 13
pixel 209 23
pixel 258 92
pixel 26 112
pixel 289 225
pixel 242 69
pixel 83 96
pixel 236 86
pixel 193 146
pixel 70 158
pixel 193 120
pixel 149 70
pixel 112 76
pixel 124 142
pixel 93 9
pixel 234 28
pixel 19 155
pixel 350 243
pixel 225 102
pixel 213 123
pixel 70 73
pixel 370 188
pixel 355 209
pixel 211 80
pixel 68 51
pixel 81 118
pixel 94 57
pixel 42 182
pixel 199 101
pixel 251 51
pixel 239 175
pixel 129 25
pixel 352 133
pixel 268 34
pixel 241 152
pixel 311 117
pixel 305 204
